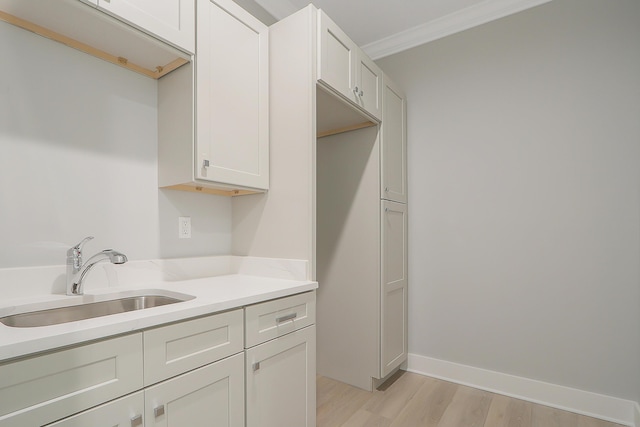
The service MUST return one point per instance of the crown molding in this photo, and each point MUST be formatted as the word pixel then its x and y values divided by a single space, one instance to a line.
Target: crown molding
pixel 461 20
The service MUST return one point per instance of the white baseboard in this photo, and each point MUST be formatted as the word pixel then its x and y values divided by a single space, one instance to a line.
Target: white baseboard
pixel 595 405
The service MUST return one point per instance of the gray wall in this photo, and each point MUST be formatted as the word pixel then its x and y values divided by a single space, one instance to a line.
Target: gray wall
pixel 78 157
pixel 524 172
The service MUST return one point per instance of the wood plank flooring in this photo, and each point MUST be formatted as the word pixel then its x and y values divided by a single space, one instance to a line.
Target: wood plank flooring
pixel 411 400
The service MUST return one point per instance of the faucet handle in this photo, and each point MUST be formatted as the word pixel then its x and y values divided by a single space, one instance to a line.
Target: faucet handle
pixel 79 246
pixel 74 254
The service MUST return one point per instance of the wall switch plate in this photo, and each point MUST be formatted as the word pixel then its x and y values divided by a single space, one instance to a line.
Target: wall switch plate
pixel 184 227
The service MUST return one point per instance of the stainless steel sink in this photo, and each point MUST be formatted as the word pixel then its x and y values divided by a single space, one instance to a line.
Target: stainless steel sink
pixel 72 313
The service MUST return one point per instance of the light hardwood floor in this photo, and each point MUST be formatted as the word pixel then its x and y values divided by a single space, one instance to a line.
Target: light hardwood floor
pixel 411 400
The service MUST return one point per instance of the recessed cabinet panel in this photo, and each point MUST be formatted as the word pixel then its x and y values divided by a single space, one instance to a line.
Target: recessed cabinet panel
pixel 369 76
pixel 337 58
pixel 125 412
pixel 209 396
pixel 281 381
pixel 394 144
pixel 42 389
pixel 232 102
pixel 173 349
pixel 394 300
pixel 171 20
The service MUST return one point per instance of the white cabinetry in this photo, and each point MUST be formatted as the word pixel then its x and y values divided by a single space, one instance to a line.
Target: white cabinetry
pixel 345 68
pixel 149 37
pixel 280 362
pixel 170 20
pixel 38 390
pixel 393 298
pixel 393 143
pixel 332 185
pixel 209 396
pixel 214 119
pixel 190 389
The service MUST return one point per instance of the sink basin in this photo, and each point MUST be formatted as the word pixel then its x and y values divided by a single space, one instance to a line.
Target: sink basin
pixel 71 313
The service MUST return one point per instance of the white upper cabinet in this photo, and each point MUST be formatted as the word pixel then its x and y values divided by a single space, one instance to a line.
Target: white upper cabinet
pixel 394 143
pixel 170 20
pixel 345 68
pixel 213 118
pixel 232 98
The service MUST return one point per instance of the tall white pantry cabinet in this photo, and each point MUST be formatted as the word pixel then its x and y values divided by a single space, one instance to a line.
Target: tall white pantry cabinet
pixel 338 193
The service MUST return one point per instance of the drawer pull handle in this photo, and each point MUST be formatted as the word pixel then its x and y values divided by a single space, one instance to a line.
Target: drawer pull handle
pixel 255 366
pixel 287 317
pixel 136 421
pixel 158 411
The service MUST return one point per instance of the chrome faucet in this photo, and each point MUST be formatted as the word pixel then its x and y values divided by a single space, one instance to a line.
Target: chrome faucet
pixel 77 270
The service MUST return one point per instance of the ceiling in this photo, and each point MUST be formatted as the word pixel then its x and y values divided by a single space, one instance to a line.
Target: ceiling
pixel 384 27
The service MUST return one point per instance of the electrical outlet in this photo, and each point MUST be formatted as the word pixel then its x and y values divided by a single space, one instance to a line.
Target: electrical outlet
pixel 184 227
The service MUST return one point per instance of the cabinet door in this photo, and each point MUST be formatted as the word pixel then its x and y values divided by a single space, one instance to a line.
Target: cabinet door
pixel 125 412
pixel 336 58
pixel 209 396
pixel 281 381
pixel 232 96
pixel 393 339
pixel 170 20
pixel 369 84
pixel 394 143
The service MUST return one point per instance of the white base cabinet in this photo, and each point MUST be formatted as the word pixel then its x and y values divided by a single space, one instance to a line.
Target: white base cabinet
pixel 209 396
pixel 281 362
pixel 193 374
pixel 281 381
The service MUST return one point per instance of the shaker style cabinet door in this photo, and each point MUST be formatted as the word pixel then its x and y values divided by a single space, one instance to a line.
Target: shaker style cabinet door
pixel 170 20
pixel 393 157
pixel 232 97
pixel 209 396
pixel 369 84
pixel 336 58
pixel 393 339
pixel 281 381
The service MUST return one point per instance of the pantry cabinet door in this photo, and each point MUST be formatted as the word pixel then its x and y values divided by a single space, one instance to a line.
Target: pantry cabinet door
pixel 393 155
pixel 394 333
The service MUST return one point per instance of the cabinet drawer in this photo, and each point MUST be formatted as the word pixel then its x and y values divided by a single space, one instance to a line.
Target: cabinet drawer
pixel 174 349
pixel 46 388
pixel 272 319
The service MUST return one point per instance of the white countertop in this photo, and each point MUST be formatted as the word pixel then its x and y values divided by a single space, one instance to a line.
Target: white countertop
pixel 212 294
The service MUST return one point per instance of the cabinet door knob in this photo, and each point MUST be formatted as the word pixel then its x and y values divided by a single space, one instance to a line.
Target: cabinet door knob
pixel 386 189
pixel 355 90
pixel 158 411
pixel 255 366
pixel 136 421
pixel 361 93
pixel 205 164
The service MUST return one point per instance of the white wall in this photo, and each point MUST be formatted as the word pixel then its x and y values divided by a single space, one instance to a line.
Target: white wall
pixel 78 156
pixel 524 172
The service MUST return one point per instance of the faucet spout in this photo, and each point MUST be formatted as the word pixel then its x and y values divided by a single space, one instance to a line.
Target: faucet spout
pixel 77 270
